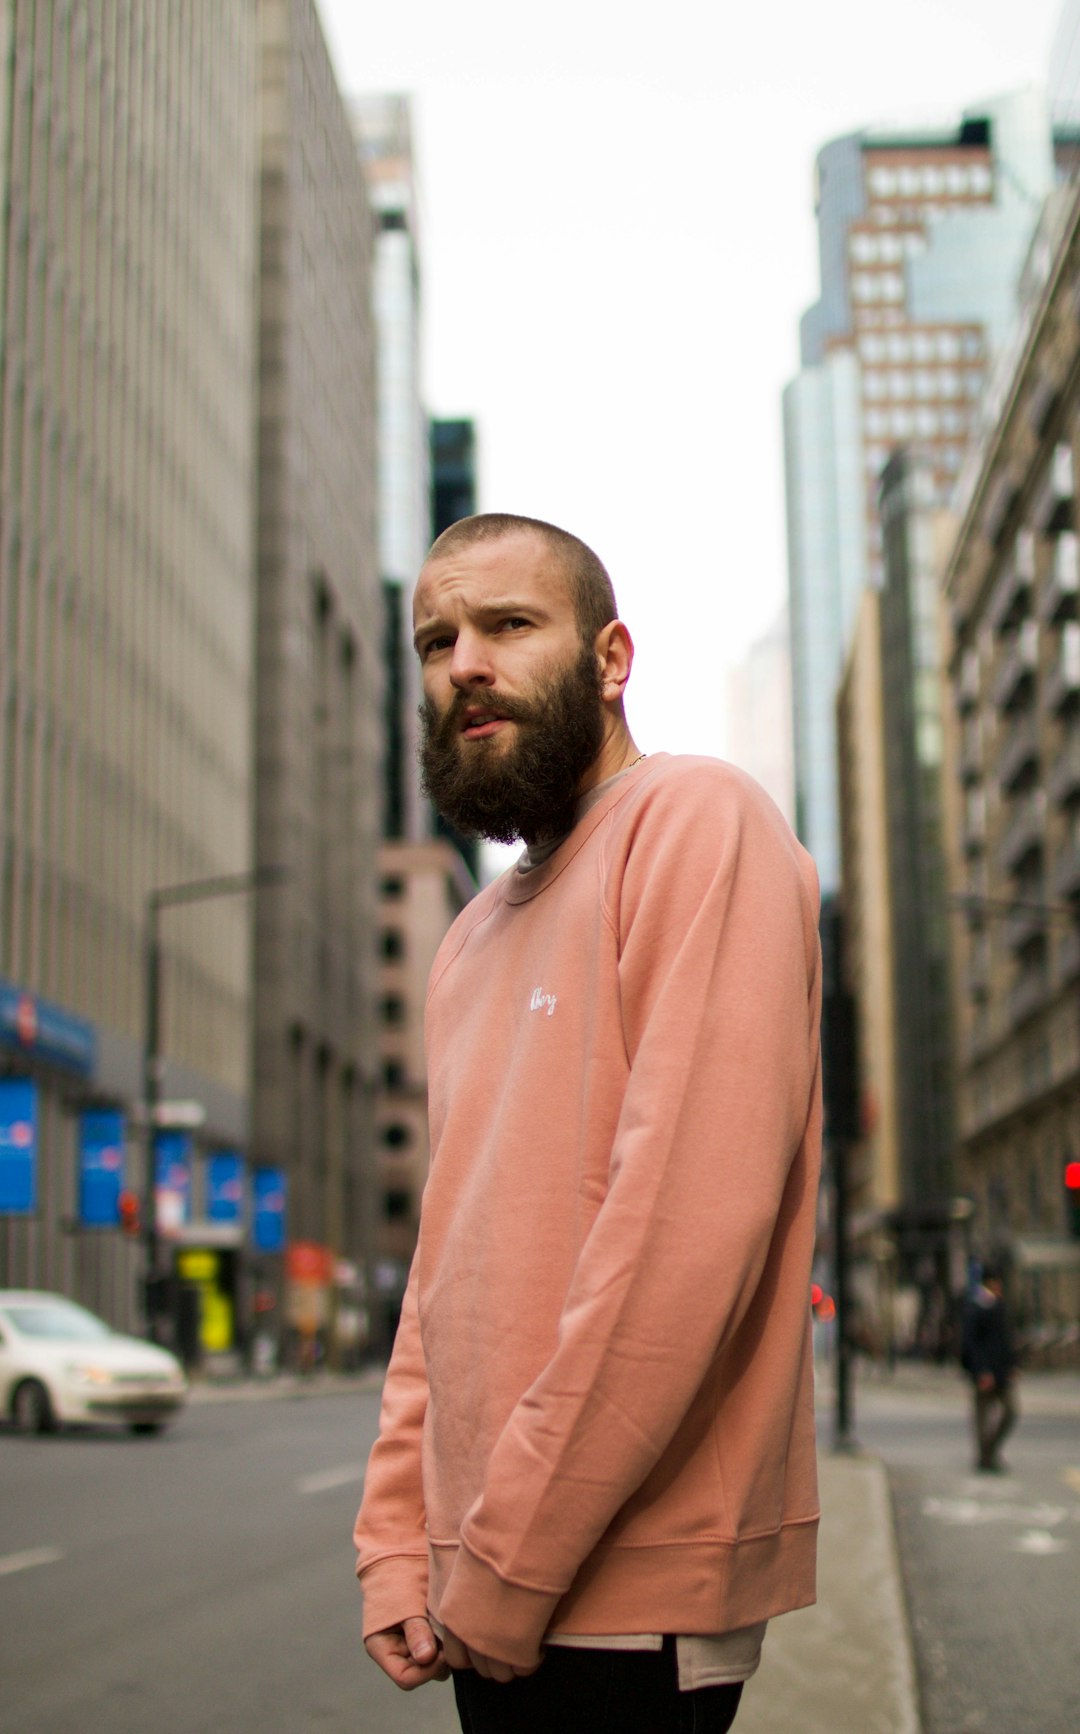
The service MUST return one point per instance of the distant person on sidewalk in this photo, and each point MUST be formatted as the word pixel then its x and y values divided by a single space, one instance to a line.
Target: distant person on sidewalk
pixel 989 1359
pixel 595 1479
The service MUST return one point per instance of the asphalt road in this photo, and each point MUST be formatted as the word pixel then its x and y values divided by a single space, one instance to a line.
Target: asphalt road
pixel 991 1563
pixel 204 1581
pixel 198 1582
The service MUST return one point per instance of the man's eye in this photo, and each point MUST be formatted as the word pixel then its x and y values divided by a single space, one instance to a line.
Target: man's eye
pixel 435 644
pixel 516 620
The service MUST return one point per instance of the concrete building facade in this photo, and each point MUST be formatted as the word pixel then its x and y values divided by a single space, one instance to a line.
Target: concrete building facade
pixel 128 178
pixel 383 128
pixel 1011 583
pixel 866 902
pixel 319 675
pixel 922 237
pixel 423 887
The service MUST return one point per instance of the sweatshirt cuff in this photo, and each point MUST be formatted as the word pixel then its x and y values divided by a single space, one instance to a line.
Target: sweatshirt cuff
pixel 394 1589
pixel 497 1618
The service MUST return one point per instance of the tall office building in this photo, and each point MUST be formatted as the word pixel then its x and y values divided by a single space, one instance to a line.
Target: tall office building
pixel 319 629
pixel 453 472
pixel 1063 77
pixel 912 712
pixel 922 235
pixel 128 178
pixel 383 130
pixel 453 496
pixel 1011 581
pixel 873 1162
pixel 759 714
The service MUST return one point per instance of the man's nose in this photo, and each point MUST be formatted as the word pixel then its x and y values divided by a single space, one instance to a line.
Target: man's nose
pixel 470 664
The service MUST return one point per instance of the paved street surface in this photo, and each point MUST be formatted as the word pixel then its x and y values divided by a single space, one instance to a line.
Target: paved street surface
pixel 203 1581
pixel 991 1563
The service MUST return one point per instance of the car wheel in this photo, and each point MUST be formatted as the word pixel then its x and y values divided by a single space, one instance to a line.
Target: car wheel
pixel 146 1427
pixel 31 1409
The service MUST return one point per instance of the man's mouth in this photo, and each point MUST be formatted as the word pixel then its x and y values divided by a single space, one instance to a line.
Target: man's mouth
pixel 477 725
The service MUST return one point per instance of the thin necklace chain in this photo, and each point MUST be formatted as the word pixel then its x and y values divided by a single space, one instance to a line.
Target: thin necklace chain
pixel 636 761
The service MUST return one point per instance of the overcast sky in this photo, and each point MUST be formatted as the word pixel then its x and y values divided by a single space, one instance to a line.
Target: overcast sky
pixel 618 240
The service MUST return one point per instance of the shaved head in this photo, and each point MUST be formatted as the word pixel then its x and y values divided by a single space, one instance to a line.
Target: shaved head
pixel 586 577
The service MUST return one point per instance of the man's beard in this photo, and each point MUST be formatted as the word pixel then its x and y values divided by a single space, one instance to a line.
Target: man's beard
pixel 528 788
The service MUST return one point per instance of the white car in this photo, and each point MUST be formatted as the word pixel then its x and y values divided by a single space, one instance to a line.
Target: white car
pixel 60 1363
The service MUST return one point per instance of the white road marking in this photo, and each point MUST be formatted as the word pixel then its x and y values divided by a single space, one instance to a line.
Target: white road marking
pixel 1039 1541
pixel 13 1562
pixel 327 1478
pixel 973 1511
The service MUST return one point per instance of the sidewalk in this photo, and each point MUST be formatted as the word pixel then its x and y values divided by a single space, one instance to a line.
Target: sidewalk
pixel 844 1666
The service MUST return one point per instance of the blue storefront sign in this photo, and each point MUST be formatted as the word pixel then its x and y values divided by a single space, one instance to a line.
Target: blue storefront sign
pixel 18 1146
pixel 172 1179
pixel 268 1217
pixel 101 1167
pixel 225 1187
pixel 45 1031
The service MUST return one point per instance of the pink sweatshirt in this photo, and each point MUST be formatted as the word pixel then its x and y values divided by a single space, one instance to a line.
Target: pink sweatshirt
pixel 598 1416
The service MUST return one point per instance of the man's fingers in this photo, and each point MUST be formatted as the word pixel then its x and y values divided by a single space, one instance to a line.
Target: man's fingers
pixel 455 1652
pixel 392 1652
pixel 420 1640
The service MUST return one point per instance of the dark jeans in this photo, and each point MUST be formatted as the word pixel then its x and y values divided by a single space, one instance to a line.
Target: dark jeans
pixel 595 1692
pixel 995 1418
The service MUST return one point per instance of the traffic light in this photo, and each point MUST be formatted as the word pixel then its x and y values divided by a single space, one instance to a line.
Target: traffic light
pixel 128 1204
pixel 1072 1198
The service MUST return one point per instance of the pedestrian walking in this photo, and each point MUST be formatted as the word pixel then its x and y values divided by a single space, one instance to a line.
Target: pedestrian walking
pixel 595 1478
pixel 989 1358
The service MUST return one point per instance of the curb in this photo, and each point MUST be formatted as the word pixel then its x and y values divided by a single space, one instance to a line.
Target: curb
pixel 285 1387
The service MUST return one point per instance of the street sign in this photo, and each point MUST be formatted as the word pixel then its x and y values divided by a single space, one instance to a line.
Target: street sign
pixel 101 1167
pixel 18 1146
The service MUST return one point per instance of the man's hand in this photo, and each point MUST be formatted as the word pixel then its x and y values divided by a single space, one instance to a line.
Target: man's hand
pixel 409 1653
pixel 459 1655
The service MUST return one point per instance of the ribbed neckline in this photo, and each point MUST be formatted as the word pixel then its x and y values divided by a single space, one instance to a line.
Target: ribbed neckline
pixel 520 887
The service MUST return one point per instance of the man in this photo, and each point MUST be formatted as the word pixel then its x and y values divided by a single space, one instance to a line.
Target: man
pixel 595 1476
pixel 990 1361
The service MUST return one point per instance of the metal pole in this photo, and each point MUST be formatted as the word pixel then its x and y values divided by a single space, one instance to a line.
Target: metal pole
pixel 167 897
pixel 842 1440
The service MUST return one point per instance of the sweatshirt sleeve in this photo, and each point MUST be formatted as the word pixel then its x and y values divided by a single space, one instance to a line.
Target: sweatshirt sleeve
pixel 714 912
pixel 390 1533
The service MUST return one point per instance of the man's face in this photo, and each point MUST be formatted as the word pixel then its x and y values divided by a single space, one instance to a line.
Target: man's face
pixel 513 713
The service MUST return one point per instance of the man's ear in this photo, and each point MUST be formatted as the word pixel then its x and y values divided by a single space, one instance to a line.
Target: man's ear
pixel 615 657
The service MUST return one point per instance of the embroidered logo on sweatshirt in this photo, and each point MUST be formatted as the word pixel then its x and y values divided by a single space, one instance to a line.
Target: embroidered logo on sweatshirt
pixel 542 1001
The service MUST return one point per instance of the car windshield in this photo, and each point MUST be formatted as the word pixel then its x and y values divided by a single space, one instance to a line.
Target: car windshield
pixel 58 1324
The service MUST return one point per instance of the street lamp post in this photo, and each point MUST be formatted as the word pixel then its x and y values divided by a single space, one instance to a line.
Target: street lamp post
pixel 153 1071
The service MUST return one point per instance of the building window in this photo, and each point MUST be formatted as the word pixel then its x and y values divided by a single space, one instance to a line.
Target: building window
pixel 392 886
pixel 393 1075
pixel 392 944
pixel 393 1009
pixel 397 1203
pixel 397 1136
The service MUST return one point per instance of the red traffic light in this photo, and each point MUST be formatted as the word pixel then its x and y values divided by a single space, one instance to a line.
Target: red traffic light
pixel 1072 1176
pixel 128 1206
pixel 816 1294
